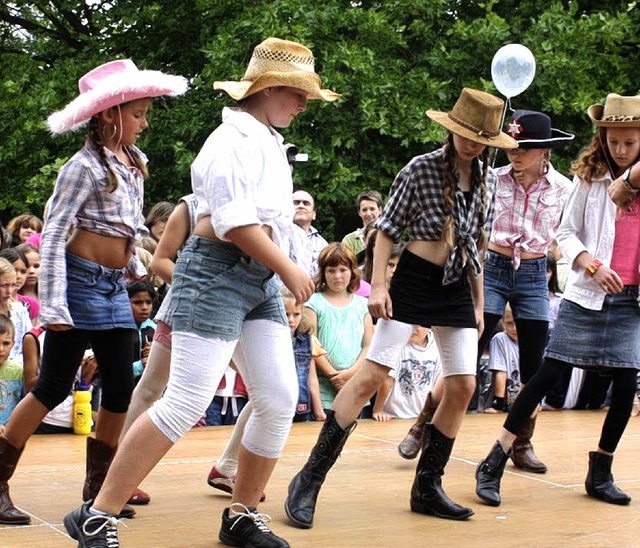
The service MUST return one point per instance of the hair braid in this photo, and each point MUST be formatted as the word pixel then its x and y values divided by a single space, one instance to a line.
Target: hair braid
pixel 482 218
pixel 448 191
pixel 94 135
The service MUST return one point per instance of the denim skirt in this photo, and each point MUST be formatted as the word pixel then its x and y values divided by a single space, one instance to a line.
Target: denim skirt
pixel 216 287
pixel 97 296
pixel 599 339
pixel 419 298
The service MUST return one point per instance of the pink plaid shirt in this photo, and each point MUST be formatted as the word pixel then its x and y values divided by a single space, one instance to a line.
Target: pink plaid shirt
pixel 526 220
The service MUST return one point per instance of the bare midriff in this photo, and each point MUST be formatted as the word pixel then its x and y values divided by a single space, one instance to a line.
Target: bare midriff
pixel 508 252
pixel 108 251
pixel 205 230
pixel 434 251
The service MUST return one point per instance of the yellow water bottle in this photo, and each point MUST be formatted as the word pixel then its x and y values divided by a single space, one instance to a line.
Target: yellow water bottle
pixel 82 410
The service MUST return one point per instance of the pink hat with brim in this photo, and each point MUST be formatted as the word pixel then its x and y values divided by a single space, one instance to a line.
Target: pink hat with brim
pixel 112 84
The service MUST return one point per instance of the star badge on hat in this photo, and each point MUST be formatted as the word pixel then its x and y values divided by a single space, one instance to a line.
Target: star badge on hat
pixel 514 128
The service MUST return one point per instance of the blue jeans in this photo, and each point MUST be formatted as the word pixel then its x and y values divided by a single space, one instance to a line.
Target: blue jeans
pixel 525 289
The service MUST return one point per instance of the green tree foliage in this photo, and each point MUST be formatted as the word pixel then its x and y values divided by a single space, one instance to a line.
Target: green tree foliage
pixel 391 60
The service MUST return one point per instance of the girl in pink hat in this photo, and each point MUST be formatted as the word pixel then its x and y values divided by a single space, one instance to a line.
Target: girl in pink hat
pixel 87 248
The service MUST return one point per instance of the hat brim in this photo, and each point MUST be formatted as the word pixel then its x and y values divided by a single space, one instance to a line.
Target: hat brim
pixel 115 91
pixel 595 113
pixel 307 81
pixel 558 139
pixel 502 140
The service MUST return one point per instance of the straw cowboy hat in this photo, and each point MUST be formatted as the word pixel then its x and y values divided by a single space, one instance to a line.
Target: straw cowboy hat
pixel 112 84
pixel 476 116
pixel 533 130
pixel 277 62
pixel 617 111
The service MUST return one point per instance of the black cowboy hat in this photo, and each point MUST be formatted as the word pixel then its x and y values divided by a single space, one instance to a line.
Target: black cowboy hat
pixel 533 130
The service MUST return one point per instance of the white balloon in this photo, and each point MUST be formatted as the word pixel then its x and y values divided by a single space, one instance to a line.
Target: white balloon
pixel 512 69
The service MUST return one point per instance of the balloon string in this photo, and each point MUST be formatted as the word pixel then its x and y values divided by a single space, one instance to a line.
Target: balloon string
pixel 507 104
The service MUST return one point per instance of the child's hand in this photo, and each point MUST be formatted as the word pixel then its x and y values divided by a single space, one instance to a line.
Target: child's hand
pixel 321 416
pixel 381 416
pixel 299 283
pixel 339 380
pixel 145 353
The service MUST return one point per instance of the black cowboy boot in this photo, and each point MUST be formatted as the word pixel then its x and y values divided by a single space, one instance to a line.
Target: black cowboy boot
pixel 99 457
pixel 9 456
pixel 304 488
pixel 427 496
pixel 489 473
pixel 522 453
pixel 599 482
pixel 410 446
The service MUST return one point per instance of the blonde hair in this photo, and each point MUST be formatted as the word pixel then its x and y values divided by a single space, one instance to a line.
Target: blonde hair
pixel 305 324
pixel 145 258
pixel 6 267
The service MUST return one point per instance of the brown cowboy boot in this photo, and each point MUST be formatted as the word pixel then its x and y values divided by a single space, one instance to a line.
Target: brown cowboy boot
pixel 412 443
pixel 99 457
pixel 9 456
pixel 522 450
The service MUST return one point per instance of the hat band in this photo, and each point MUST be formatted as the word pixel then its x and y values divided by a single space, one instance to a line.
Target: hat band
pixel 619 118
pixel 481 132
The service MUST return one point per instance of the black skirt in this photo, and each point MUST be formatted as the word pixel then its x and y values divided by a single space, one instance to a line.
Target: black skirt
pixel 418 296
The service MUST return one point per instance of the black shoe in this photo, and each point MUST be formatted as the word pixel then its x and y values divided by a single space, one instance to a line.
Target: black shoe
pixel 248 529
pixel 92 531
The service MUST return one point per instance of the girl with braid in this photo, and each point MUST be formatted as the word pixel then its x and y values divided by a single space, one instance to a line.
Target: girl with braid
pixel 99 197
pixel 443 199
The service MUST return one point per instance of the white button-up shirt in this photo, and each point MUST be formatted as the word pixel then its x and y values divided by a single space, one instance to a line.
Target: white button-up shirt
pixel 588 224
pixel 241 177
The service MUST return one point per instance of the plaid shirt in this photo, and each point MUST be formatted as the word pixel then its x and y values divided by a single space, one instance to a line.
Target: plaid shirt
pixel 526 219
pixel 416 203
pixel 81 199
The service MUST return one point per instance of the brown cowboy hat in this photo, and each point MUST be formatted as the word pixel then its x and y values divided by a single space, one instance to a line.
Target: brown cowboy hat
pixel 617 111
pixel 476 116
pixel 277 62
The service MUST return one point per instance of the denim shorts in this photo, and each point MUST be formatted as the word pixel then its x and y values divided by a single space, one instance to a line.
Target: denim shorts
pixel 97 296
pixel 525 289
pixel 594 339
pixel 216 287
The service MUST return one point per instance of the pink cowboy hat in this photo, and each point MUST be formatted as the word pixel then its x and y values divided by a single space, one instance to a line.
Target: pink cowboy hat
pixel 112 84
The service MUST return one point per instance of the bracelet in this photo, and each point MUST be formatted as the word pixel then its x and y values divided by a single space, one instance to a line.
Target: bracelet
pixel 626 179
pixel 593 267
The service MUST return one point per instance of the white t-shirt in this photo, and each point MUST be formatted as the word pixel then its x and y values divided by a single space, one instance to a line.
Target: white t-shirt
pixel 416 375
pixel 504 355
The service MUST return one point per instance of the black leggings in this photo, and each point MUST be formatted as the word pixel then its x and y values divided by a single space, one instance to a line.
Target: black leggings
pixel 62 355
pixel 622 395
pixel 532 340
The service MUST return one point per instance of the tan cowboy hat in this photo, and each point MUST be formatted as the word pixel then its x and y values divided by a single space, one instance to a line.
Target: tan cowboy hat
pixel 277 62
pixel 617 111
pixel 476 116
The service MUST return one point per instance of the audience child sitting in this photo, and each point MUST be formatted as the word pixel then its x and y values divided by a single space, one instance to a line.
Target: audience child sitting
pixel 230 399
pixel 19 262
pixel 403 394
pixel 14 310
pixel 141 296
pixel 10 371
pixel 504 363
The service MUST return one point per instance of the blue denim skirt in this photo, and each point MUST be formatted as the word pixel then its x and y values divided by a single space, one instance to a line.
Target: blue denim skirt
pixel 97 296
pixel 525 289
pixel 597 339
pixel 216 287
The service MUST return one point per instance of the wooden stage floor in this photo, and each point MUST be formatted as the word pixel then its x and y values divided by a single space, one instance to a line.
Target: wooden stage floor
pixel 365 499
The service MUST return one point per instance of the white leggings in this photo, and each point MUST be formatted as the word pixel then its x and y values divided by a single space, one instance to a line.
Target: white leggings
pixel 458 346
pixel 269 373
